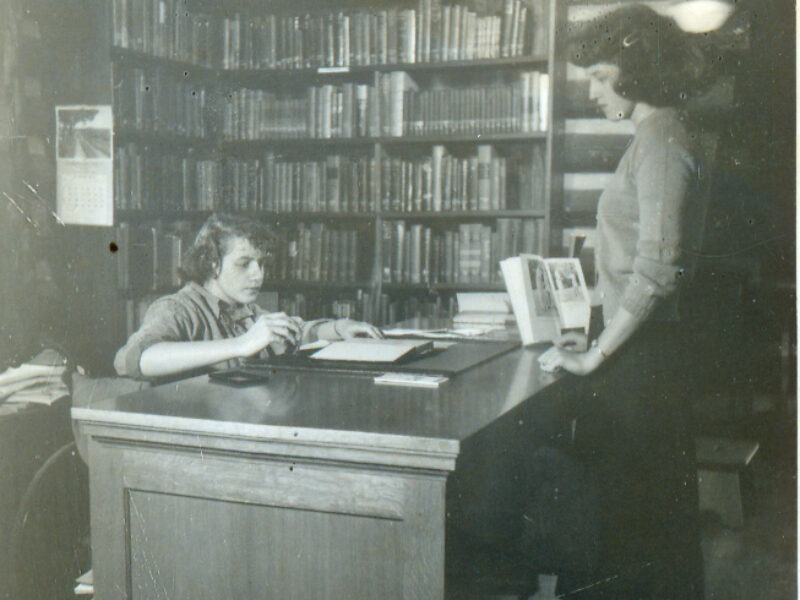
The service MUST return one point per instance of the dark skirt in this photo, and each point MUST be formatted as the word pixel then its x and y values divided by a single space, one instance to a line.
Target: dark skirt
pixel 614 511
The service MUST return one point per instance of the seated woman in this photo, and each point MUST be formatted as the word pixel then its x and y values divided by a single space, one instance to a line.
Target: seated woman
pixel 213 322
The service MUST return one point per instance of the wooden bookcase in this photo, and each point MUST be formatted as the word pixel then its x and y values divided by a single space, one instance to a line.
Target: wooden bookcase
pixel 400 151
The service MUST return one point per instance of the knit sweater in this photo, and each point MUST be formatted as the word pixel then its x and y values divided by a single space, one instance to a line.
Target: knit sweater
pixel 650 220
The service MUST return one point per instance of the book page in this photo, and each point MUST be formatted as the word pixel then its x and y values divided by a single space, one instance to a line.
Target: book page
pixel 569 292
pixel 529 289
pixel 371 350
pixel 541 287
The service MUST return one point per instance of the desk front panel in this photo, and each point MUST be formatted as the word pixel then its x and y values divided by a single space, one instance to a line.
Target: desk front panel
pixel 194 522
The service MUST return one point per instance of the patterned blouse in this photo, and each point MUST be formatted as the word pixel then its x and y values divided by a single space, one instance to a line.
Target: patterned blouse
pixel 195 314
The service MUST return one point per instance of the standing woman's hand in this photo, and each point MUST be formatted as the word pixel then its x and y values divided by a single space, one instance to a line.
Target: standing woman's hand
pixel 577 363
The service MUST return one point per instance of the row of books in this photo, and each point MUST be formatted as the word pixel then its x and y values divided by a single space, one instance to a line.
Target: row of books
pixel 361 306
pixel 521 107
pixel 415 253
pixel 147 180
pixel 328 111
pixel 358 306
pixel 391 311
pixel 165 28
pixel 150 100
pixel 395 106
pixel 148 257
pixel 339 183
pixel 430 32
pixel 317 252
pixel 445 182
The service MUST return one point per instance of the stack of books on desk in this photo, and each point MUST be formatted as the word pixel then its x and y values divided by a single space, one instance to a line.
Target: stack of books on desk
pixel 417 380
pixel 483 309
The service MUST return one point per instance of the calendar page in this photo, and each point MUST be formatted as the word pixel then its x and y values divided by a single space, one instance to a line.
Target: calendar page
pixel 84 162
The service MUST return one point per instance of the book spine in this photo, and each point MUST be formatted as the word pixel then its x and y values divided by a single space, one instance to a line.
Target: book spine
pixel 387 247
pixel 544 103
pixel 484 183
pixel 398 251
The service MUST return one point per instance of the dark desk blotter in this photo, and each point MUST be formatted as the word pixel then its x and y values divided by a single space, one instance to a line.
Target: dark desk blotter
pixel 441 361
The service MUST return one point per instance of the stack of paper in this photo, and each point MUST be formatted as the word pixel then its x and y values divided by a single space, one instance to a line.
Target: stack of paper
pixel 39 381
pixel 483 308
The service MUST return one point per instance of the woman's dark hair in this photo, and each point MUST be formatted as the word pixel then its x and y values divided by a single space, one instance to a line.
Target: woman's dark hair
pixel 659 63
pixel 201 261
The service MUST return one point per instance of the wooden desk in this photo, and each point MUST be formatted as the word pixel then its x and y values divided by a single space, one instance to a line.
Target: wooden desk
pixel 306 487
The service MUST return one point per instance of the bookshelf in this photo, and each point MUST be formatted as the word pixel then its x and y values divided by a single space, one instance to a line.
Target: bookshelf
pixel 399 151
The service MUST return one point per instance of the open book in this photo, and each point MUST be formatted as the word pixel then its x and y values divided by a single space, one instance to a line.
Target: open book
pixel 548 295
pixel 372 350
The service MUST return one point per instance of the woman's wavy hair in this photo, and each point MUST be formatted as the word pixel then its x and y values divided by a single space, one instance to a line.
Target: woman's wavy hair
pixel 659 63
pixel 202 259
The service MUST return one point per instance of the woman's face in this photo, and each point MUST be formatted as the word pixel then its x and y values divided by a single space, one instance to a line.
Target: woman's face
pixel 602 78
pixel 239 277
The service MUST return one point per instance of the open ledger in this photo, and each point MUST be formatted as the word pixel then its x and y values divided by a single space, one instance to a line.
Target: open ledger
pixel 373 350
pixel 548 295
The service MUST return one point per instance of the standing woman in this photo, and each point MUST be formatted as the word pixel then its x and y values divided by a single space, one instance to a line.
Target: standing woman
pixel 632 421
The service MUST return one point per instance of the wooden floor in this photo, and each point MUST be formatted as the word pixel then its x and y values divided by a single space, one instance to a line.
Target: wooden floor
pixel 760 560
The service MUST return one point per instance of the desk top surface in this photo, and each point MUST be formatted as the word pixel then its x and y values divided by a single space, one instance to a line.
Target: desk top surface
pixel 339 405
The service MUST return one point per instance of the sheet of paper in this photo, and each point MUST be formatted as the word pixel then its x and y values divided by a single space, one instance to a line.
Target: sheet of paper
pixel 369 350
pixel 440 334
pixel 314 345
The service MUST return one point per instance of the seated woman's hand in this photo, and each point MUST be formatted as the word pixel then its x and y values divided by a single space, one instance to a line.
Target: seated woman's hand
pixel 347 328
pixel 273 328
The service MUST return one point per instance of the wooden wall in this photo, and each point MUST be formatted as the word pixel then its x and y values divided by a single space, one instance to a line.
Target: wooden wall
pixel 58 282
